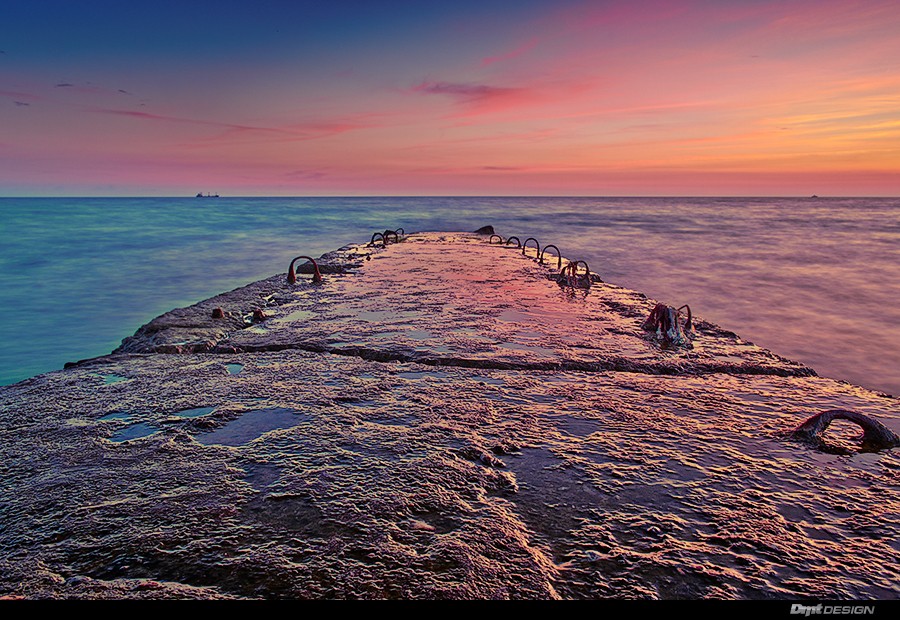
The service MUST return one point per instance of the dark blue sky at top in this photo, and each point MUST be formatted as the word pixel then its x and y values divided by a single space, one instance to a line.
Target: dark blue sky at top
pixel 43 31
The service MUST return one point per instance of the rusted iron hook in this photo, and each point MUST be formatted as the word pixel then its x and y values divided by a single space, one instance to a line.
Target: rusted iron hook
pixel 569 276
pixel 292 275
pixel 689 325
pixel 383 240
pixel 491 240
pixel 518 243
pixel 537 246
pixel 558 255
pixel 663 322
pixel 574 267
pixel 876 436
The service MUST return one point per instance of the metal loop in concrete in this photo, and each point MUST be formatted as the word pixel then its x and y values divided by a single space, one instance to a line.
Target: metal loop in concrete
pixel 558 255
pixel 292 275
pixel 876 436
pixel 689 325
pixel 569 276
pixel 537 246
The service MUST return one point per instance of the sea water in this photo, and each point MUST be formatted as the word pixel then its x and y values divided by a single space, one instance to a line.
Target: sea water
pixel 815 280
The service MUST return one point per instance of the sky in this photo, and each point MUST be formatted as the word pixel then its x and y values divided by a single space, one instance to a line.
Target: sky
pixel 711 97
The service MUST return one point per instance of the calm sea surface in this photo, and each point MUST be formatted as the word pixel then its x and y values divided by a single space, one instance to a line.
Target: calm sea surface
pixel 816 280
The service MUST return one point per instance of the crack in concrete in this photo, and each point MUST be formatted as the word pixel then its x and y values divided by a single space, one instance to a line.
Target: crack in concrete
pixel 615 364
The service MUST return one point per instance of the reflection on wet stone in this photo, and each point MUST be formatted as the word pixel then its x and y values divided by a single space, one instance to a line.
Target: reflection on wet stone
pixel 251 425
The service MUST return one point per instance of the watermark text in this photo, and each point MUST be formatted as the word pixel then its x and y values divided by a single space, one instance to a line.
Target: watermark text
pixel 832 610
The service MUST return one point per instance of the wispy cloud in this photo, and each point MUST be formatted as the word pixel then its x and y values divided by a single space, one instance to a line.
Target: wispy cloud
pixel 526 47
pixel 476 98
pixel 305 175
pixel 466 92
pixel 19 96
pixel 90 88
pixel 148 116
pixel 232 133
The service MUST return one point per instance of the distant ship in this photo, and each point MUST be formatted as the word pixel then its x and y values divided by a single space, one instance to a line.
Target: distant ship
pixel 207 195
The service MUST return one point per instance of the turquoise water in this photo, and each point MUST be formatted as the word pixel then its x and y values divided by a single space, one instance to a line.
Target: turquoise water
pixel 814 280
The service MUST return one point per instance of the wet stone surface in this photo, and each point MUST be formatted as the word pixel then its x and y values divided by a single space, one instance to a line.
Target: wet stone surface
pixel 444 422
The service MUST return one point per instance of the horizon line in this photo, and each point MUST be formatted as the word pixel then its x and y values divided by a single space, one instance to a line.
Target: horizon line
pixel 344 196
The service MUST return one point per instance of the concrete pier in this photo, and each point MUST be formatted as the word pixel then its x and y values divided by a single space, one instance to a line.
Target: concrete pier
pixel 439 418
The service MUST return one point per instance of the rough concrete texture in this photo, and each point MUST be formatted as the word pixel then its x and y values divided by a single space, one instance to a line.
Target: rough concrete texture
pixel 439 419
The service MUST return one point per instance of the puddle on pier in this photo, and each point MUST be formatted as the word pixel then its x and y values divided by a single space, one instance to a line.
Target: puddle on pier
pixel 576 426
pixel 296 315
pixel 234 369
pixel 110 379
pixel 142 429
pixel 418 334
pixel 252 425
pixel 117 415
pixel 194 413
pixel 135 431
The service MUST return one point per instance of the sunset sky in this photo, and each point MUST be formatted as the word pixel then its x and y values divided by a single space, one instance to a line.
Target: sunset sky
pixel 714 97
